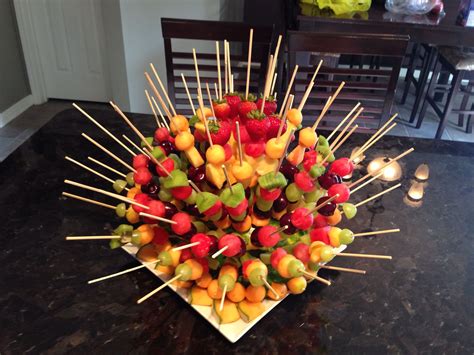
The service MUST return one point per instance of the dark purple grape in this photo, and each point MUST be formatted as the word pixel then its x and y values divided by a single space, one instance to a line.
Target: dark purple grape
pixel 254 238
pixel 262 214
pixel 194 211
pixel 289 170
pixel 170 210
pixel 329 179
pixel 191 232
pixel 197 175
pixel 243 248
pixel 280 203
pixel 248 192
pixel 151 189
pixel 168 147
pixel 285 220
pixel 214 245
pixel 224 214
pixel 328 209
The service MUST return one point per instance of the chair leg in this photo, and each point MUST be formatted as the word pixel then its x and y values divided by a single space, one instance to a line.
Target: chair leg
pixel 430 91
pixel 464 102
pixel 409 76
pixel 469 121
pixel 456 83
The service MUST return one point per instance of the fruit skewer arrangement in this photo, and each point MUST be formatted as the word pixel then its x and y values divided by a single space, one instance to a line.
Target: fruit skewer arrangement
pixel 220 204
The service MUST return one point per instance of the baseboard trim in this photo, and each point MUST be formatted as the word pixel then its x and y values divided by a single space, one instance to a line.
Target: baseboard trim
pixel 15 110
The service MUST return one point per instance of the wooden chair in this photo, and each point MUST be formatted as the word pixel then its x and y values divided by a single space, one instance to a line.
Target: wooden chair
pixel 180 61
pixel 373 86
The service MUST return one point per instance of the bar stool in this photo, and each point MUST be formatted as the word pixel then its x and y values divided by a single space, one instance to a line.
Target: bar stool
pixel 460 64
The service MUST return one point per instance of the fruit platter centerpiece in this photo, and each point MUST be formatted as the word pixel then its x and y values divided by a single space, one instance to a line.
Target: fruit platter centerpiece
pixel 239 205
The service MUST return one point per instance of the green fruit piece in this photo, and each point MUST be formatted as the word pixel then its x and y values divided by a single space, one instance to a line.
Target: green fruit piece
pixel 184 270
pixel 349 209
pixel 265 257
pixel 246 257
pixel 326 254
pixel 322 141
pixel 232 198
pixel 293 193
pixel 317 171
pixel 177 178
pixel 130 180
pixel 158 153
pixel 205 200
pixel 213 263
pixel 264 205
pixel 165 195
pixel 271 181
pixel 191 200
pixel 115 243
pixel 250 310
pixel 121 209
pixel 240 217
pixel 314 196
pixel 165 259
pixel 295 268
pixel 313 266
pixel 123 229
pixel 305 239
pixel 200 226
pixel 346 236
pixel 227 281
pixel 119 185
pixel 216 217
pixel 257 276
pixel 149 140
pixel 136 238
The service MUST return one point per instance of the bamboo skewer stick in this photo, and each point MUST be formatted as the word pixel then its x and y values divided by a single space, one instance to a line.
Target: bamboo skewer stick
pixel 163 89
pixel 362 151
pixel 227 178
pixel 217 92
pixel 322 113
pixel 305 96
pixel 116 196
pixel 94 202
pixel 161 113
pixel 322 204
pixel 201 105
pixel 188 94
pixel 224 291
pixel 219 252
pixel 288 90
pixel 366 183
pixel 158 123
pixel 339 144
pixel 317 71
pixel 132 143
pixel 239 142
pixel 196 68
pixel 229 66
pixel 210 101
pixel 363 178
pixel 108 152
pixel 292 132
pixel 337 268
pixel 266 80
pixel 249 65
pixel 158 95
pixel 93 237
pixel 156 290
pixel 336 140
pixel 226 80
pixel 186 246
pixel 272 70
pixel 342 122
pixel 315 277
pixel 378 195
pixel 283 118
pixel 105 130
pixel 386 231
pixel 273 83
pixel 267 284
pixel 122 272
pixel 161 219
pixel 218 60
pixel 107 167
pixel 368 256
pixel 194 186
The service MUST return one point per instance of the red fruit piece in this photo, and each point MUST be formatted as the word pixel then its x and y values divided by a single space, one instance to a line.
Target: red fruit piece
pixel 245 107
pixel 244 135
pixel 220 131
pixel 232 242
pixel 245 266
pixel 255 149
pixel 228 151
pixel 162 134
pixel 183 223
pixel 301 252
pixel 156 208
pixel 275 126
pixel 142 176
pixel 269 195
pixel 161 236
pixel 185 254
pixel 168 164
pixel 237 211
pixel 309 159
pixel 257 125
pixel 304 181
pixel 319 221
pixel 142 199
pixel 342 167
pixel 221 109
pixel 233 101
pixel 268 237
pixel 202 249
pixel 301 218
pixel 276 256
pixel 140 161
pixel 204 263
pixel 270 105
pixel 181 193
pixel 214 209
pixel 199 137
pixel 320 234
pixel 342 190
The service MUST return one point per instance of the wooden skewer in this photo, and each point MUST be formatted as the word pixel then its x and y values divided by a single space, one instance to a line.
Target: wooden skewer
pixel 122 272
pixel 194 186
pixel 219 252
pixel 158 95
pixel 315 277
pixel 107 167
pixel 366 183
pixel 317 70
pixel 224 291
pixel 210 101
pixel 201 105
pixel 249 65
pixel 340 143
pixel 378 195
pixel 322 113
pixel 363 178
pixel 386 231
pixel 273 65
pixel 343 120
pixel 368 256
pixel 239 142
pixel 226 86
pixel 154 160
pixel 322 204
pixel 111 194
pixel 94 202
pixel 227 178
pixel 273 83
pixel 283 118
pixel 105 130
pixel 218 60
pixel 338 90
pixel 266 80
pixel 329 103
pixel 196 69
pixel 305 96
pixel 161 114
pixel 267 284
pixel 377 132
pixel 217 92
pixel 132 143
pixel 337 268
pixel 362 151
pixel 188 94
pixel 161 219
pixel 156 290
pixel 93 237
pixel 336 140
pixel 229 66
pixel 108 152
pixel 279 230
pixel 288 90
pixel 152 108
pixel 232 82
pixel 186 246
pixel 163 89
pixel 292 132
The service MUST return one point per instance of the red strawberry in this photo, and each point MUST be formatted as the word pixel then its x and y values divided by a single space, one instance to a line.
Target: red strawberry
pixel 233 100
pixel 244 135
pixel 199 136
pixel 220 131
pixel 275 126
pixel 257 125
pixel 245 107
pixel 221 109
pixel 270 106
pixel 162 134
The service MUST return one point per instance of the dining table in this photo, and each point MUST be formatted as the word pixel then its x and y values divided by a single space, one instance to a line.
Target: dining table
pixel 418 302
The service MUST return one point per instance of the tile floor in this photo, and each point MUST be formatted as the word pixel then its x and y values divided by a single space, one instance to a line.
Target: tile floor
pixel 21 128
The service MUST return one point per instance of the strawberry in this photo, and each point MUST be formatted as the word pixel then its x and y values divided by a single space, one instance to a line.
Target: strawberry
pixel 275 126
pixel 221 109
pixel 255 149
pixel 162 134
pixel 257 125
pixel 270 106
pixel 220 131
pixel 246 106
pixel 244 135
pixel 233 100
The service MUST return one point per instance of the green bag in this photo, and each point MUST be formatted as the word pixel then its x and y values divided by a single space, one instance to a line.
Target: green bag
pixel 341 6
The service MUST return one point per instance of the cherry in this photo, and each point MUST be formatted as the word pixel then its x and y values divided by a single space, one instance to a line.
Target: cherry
pixel 285 220
pixel 289 170
pixel 151 189
pixel 254 238
pixel 161 236
pixel 329 179
pixel 328 209
pixel 280 203
pixel 170 210
pixel 168 147
pixel 261 214
pixel 197 175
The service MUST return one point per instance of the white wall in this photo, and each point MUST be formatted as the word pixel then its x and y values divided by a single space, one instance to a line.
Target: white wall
pixel 143 41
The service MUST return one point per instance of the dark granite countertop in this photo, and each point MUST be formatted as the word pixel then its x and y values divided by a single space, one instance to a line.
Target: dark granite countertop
pixel 420 302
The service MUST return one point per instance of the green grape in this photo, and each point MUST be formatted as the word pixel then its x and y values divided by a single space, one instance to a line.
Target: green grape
pixel 149 140
pixel 121 209
pixel 226 280
pixel 123 229
pixel 314 196
pixel 292 192
pixel 257 276
pixel 295 268
pixel 313 266
pixel 136 237
pixel 165 195
pixel 184 270
pixel 326 254
pixel 165 258
pixel 349 209
pixel 115 243
pixel 191 200
pixel 119 185
pixel 346 236
pixel 130 179
pixel 264 205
